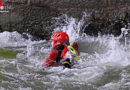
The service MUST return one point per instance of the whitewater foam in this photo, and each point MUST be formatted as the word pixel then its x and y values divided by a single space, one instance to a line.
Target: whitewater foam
pixel 104 61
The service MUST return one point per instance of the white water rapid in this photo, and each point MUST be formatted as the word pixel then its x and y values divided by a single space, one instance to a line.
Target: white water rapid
pixel 104 64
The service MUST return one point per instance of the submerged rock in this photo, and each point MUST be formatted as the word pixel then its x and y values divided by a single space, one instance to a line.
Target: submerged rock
pixel 5 53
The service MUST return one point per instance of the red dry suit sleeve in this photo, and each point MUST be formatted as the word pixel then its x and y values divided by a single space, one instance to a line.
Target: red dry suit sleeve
pixel 75 46
pixel 50 60
pixel 64 52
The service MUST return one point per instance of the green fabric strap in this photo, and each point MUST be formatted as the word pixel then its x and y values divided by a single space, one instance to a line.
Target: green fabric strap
pixel 77 58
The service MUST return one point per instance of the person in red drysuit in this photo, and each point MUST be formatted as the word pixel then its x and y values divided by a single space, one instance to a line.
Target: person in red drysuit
pixel 1 3
pixel 58 54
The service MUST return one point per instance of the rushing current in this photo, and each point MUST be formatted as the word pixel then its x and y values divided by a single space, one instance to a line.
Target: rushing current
pixel 104 64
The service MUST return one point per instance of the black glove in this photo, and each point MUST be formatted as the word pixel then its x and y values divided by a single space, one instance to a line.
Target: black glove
pixel 67 63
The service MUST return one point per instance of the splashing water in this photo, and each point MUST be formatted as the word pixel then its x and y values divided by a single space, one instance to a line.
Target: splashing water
pixel 104 63
pixel 72 27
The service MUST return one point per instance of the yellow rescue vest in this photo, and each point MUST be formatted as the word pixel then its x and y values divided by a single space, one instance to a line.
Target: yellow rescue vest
pixel 73 52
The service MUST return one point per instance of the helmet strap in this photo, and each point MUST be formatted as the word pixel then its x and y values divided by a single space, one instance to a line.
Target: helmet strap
pixel 66 43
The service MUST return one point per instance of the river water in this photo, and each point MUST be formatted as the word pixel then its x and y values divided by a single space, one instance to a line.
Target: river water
pixel 104 64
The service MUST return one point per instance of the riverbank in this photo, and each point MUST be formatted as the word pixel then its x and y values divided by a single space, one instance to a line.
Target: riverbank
pixel 37 17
